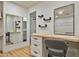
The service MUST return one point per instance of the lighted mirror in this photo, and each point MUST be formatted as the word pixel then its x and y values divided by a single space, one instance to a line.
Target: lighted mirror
pixel 64 20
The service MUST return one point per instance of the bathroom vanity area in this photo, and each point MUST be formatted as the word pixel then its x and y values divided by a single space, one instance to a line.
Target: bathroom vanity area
pixel 38 47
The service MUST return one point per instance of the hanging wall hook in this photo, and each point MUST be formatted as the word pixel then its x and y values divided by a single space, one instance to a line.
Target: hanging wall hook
pixel 47 19
pixel 40 16
pixel 43 26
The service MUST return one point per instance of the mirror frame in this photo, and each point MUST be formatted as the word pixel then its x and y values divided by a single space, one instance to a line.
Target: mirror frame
pixel 73 19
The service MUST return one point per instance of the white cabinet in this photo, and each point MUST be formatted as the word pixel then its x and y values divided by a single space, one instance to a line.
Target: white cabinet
pixel 38 47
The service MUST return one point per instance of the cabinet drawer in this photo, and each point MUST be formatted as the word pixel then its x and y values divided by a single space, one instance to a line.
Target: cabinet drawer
pixel 37 47
pixel 36 52
pixel 35 43
pixel 36 39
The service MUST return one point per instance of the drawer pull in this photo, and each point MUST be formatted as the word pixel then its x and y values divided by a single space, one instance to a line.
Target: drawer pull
pixel 35 52
pixel 35 38
pixel 35 45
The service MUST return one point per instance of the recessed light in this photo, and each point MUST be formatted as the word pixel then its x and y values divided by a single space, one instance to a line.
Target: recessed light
pixel 60 12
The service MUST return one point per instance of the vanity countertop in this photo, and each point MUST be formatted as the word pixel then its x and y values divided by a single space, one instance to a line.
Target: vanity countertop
pixel 57 37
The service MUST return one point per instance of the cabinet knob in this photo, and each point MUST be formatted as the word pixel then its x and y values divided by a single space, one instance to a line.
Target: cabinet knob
pixel 35 52
pixel 35 45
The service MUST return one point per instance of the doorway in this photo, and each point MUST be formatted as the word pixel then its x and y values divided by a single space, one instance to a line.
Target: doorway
pixel 32 23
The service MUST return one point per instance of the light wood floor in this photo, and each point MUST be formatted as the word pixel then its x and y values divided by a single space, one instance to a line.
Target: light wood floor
pixel 22 52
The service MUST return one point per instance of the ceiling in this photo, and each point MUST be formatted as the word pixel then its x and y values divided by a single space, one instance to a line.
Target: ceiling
pixel 26 4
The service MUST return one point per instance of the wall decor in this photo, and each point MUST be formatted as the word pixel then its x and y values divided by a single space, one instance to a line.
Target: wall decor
pixel 47 19
pixel 18 27
pixel 43 26
pixel 17 23
pixel 40 16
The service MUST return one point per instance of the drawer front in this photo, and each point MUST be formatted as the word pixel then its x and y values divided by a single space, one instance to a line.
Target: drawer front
pixel 36 52
pixel 35 43
pixel 37 47
pixel 36 39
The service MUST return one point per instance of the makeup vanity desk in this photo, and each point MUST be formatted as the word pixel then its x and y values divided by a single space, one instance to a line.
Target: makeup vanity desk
pixel 38 46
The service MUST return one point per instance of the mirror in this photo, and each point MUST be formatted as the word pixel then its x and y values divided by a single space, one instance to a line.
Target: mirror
pixel 64 20
pixel 16 29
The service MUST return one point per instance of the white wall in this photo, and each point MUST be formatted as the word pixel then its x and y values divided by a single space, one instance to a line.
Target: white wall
pixel 13 9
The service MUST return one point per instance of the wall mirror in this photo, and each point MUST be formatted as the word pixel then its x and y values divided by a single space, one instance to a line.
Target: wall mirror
pixel 64 20
pixel 16 29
